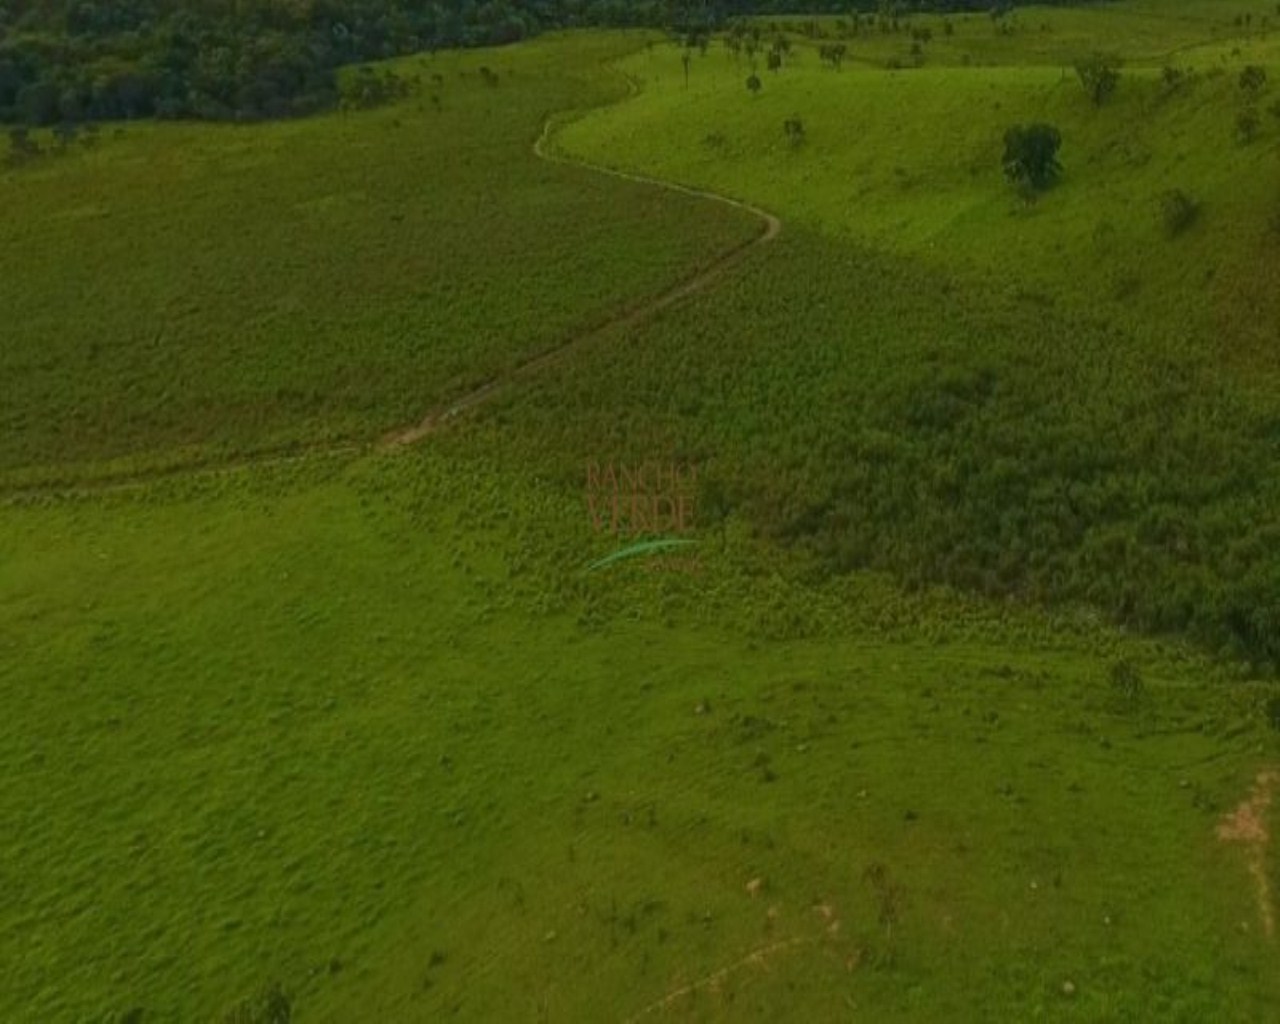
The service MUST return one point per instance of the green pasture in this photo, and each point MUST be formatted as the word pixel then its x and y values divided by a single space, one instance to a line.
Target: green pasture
pixel 182 293
pixel 980 650
pixel 908 160
pixel 365 730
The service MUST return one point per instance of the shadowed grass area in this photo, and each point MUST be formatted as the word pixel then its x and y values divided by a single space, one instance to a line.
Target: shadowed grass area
pixel 927 375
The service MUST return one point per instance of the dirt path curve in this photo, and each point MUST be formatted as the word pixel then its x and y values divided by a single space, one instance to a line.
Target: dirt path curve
pixel 771 226
pixel 1247 824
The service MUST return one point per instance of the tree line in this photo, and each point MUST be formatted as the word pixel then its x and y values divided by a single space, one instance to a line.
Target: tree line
pixel 67 61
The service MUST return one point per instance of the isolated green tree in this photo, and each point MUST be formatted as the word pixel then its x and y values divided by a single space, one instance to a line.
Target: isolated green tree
pixel 794 129
pixel 754 84
pixel 1031 155
pixel 1099 74
pixel 774 60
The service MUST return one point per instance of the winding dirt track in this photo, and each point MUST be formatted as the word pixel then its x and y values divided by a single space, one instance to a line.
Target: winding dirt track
pixel 771 226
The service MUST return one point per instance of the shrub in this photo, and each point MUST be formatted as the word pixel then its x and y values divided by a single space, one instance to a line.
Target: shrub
pixel 1099 74
pixel 890 897
pixel 1252 79
pixel 22 146
pixel 1178 211
pixel 64 133
pixel 269 1006
pixel 1173 78
pixel 1031 155
pixel 1247 124
pixel 1126 681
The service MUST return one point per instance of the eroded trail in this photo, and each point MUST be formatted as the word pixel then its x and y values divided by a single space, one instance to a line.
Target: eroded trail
pixel 771 226
pixel 1247 825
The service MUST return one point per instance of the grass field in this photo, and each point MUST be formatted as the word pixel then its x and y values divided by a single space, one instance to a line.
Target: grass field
pixel 956 721
pixel 930 377
pixel 333 740
pixel 193 292
pixel 908 161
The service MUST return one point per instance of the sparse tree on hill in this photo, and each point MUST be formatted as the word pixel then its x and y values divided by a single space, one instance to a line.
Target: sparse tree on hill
pixel 794 129
pixel 1099 74
pixel 774 60
pixel 1031 156
pixel 754 84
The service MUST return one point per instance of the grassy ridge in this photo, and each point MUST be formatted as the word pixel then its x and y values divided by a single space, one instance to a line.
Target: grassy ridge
pixel 909 161
pixel 187 289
